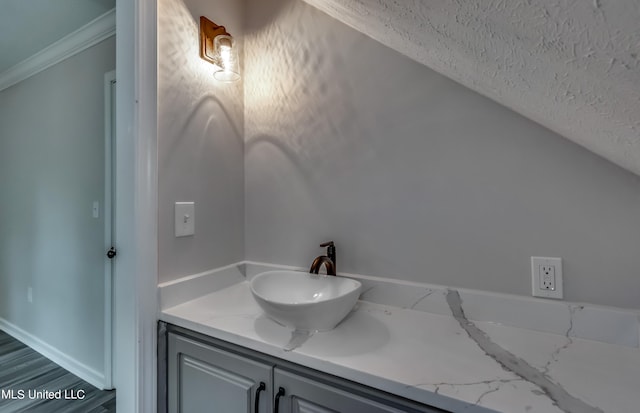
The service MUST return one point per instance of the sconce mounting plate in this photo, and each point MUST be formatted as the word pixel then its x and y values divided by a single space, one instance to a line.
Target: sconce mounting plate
pixel 208 31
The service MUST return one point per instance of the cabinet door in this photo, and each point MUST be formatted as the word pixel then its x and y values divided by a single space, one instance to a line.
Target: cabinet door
pixel 304 395
pixel 207 379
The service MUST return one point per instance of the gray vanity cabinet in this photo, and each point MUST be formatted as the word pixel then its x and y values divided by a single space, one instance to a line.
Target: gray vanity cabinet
pixel 303 395
pixel 206 379
pixel 204 374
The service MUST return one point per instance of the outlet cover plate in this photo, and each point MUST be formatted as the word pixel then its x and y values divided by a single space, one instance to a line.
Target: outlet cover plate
pixel 546 271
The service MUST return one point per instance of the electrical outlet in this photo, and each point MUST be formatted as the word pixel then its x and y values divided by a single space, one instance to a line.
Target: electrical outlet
pixel 29 294
pixel 546 277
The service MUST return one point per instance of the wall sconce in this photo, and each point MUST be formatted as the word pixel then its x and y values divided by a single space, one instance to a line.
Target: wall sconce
pixel 218 47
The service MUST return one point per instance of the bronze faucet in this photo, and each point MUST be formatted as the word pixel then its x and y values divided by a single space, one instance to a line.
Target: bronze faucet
pixel 328 260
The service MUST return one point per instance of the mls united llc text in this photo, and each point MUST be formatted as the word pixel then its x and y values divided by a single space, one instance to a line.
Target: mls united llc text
pixel 20 394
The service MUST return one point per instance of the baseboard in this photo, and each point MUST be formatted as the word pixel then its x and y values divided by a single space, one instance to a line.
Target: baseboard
pixel 60 358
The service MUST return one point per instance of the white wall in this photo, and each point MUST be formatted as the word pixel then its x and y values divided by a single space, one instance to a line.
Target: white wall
pixel 200 142
pixel 414 176
pixel 51 171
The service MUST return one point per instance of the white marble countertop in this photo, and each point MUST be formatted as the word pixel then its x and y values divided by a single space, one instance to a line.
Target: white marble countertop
pixel 444 360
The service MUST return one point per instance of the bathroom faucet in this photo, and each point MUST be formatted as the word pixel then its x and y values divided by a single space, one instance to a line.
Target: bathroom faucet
pixel 328 260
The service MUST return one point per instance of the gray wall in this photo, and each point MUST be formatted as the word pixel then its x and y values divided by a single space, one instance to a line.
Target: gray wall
pixel 414 176
pixel 51 171
pixel 200 142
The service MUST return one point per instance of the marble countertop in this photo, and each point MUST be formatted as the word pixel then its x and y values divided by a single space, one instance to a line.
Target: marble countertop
pixel 445 360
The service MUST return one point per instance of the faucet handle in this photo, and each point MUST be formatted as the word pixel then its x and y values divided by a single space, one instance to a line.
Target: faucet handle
pixel 331 250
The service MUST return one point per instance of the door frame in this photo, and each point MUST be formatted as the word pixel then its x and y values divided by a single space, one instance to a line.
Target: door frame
pixel 135 311
pixel 109 222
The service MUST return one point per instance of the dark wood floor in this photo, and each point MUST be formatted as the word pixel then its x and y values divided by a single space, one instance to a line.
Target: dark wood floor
pixel 23 369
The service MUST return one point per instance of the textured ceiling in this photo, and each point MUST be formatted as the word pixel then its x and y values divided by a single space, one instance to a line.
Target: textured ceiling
pixel 571 65
pixel 28 26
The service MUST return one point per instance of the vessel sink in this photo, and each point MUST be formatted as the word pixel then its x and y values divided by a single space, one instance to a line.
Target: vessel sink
pixel 304 301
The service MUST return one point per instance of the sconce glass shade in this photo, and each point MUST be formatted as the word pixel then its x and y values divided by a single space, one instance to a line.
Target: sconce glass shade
pixel 226 59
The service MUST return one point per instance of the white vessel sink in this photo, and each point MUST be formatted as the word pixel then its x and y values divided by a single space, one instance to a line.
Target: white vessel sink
pixel 305 301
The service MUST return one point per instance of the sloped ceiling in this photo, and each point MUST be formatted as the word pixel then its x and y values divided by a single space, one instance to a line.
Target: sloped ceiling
pixel 571 65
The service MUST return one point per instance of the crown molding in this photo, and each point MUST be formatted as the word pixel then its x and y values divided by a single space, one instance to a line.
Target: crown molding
pixel 88 35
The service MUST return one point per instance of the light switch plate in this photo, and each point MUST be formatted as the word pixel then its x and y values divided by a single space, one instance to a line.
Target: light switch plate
pixel 185 219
